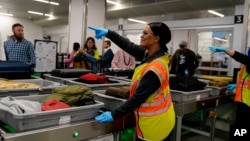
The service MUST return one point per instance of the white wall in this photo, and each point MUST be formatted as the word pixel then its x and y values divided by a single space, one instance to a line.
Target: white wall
pixel 31 31
pixel 60 34
pixel 178 28
pixel 96 17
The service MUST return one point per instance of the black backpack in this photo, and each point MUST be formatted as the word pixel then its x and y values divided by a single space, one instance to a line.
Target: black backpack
pixel 185 83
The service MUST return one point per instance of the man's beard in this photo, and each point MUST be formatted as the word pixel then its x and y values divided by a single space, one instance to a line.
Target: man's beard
pixel 18 37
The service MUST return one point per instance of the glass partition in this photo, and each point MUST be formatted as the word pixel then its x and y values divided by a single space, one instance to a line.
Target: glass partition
pixel 213 63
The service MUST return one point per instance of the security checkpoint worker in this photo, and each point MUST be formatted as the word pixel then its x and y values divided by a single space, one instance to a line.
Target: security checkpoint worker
pixel 242 86
pixel 150 97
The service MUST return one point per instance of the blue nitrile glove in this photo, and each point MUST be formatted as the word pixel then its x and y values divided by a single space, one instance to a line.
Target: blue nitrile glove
pixel 104 117
pixel 217 49
pixel 99 32
pixel 231 87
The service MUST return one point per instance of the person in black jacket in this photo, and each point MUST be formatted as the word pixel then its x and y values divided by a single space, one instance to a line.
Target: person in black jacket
pixel 150 98
pixel 242 92
pixel 107 56
pixel 184 61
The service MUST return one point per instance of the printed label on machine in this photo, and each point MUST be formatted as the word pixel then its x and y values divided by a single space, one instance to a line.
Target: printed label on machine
pixel 64 120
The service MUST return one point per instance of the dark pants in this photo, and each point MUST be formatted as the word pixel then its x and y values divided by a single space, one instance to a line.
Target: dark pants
pixel 242 121
pixel 242 115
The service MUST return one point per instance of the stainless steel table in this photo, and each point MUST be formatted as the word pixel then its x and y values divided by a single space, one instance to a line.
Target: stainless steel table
pixel 69 132
pixel 191 106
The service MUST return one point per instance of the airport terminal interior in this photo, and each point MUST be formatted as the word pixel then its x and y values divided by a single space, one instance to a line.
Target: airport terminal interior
pixel 58 81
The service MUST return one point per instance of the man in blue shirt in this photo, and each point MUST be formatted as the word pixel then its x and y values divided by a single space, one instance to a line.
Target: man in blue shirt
pixel 17 48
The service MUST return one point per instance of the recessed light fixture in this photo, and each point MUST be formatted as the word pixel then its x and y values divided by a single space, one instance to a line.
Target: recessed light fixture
pixel 215 13
pixel 0 6
pixel 6 14
pixel 49 2
pixel 34 12
pixel 112 2
pixel 48 15
pixel 216 38
pixel 138 21
pixel 40 13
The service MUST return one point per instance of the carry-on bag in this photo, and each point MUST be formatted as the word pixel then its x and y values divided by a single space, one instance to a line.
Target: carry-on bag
pixel 15 70
pixel 69 73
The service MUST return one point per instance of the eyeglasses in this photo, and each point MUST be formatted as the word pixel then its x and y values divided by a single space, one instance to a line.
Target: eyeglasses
pixel 146 33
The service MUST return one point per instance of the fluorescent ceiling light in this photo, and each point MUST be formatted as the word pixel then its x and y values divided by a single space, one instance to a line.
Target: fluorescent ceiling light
pixel 53 3
pixel 6 14
pixel 49 15
pixel 138 21
pixel 44 1
pixel 215 13
pixel 49 2
pixel 216 38
pixel 33 12
pixel 112 2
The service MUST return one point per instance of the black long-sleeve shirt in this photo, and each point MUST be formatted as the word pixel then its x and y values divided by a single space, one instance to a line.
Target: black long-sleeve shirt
pixel 149 82
pixel 242 58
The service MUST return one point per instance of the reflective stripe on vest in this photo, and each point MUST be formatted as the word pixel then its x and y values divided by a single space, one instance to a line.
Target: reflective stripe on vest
pixel 162 99
pixel 158 105
pixel 152 108
pixel 243 87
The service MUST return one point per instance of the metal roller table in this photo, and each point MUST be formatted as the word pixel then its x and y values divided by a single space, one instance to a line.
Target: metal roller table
pixel 69 132
pixel 191 106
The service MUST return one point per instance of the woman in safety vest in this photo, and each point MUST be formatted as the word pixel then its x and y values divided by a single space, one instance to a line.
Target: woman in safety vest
pixel 150 98
pixel 242 88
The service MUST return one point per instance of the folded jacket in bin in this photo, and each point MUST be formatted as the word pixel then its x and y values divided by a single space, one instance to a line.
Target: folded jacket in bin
pixel 10 84
pixel 43 119
pixel 93 78
pixel 73 95
pixel 54 104
pixel 218 83
pixel 185 83
pixel 119 92
pixel 19 106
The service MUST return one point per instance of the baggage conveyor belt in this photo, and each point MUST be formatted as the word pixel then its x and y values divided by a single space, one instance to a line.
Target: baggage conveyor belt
pixel 91 129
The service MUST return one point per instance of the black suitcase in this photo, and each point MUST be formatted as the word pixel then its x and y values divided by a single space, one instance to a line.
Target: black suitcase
pixel 119 72
pixel 69 73
pixel 15 70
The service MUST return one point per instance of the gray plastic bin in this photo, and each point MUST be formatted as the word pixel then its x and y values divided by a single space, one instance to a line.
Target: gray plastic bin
pixel 46 88
pixel 42 119
pixel 216 90
pixel 57 79
pixel 123 78
pixel 100 86
pixel 110 102
pixel 181 96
